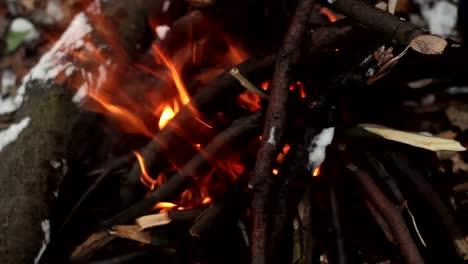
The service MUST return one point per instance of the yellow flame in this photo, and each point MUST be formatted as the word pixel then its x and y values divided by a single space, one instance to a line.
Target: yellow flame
pixel 166 116
pixel 316 172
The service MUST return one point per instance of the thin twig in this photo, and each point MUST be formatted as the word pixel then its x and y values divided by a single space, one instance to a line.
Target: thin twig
pixel 274 126
pixel 391 214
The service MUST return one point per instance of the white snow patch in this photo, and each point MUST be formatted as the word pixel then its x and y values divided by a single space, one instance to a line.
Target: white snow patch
pixel 11 134
pixel 441 18
pixel 49 66
pixel 45 225
pixel 271 139
pixel 80 94
pixel 8 81
pixel 23 25
pixel 318 146
pixel 162 30
pixel 166 6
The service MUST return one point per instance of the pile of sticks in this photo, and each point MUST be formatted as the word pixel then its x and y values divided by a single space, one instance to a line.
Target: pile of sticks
pixel 259 210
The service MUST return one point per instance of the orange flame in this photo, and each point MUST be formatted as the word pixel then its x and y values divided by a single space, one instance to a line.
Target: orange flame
pixel 146 179
pixel 328 13
pixel 250 101
pixel 164 206
pixel 179 83
pixel 275 171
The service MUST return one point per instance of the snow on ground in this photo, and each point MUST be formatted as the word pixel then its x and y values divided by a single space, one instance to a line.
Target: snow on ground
pixel 45 225
pixel 11 134
pixel 50 65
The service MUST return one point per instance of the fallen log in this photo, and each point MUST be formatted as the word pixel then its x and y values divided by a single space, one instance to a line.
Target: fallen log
pixel 45 117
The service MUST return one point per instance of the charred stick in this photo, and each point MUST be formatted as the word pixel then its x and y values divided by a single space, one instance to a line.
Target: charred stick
pixel 227 207
pixel 92 244
pixel 289 188
pixel 274 126
pixel 380 220
pixel 391 184
pixel 391 214
pixel 336 223
pixel 389 25
pixel 310 237
pixel 427 192
pixel 185 29
pixel 331 35
pixel 389 181
pixel 239 130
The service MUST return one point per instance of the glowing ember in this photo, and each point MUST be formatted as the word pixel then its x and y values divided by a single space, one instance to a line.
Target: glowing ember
pixel 265 85
pixel 207 200
pixel 316 172
pixel 275 171
pixel 301 89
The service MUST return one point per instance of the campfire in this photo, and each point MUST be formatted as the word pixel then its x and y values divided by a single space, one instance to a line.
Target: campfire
pixel 204 131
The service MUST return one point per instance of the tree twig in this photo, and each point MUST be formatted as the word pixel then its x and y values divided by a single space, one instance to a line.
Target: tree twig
pixel 274 126
pixel 390 26
pixel 391 214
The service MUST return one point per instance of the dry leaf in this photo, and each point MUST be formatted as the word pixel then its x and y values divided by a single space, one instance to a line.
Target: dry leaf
pixel 428 44
pixel 416 140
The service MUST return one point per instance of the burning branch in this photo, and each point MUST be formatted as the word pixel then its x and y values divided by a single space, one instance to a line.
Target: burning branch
pixel 208 99
pixel 239 130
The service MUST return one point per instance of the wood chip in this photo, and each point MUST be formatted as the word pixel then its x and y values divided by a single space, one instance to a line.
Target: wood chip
pixel 91 244
pixel 416 140
pixel 428 44
pixel 132 232
pixel 153 220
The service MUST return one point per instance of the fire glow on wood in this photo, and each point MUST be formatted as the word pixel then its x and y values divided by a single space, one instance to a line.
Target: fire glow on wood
pixel 230 135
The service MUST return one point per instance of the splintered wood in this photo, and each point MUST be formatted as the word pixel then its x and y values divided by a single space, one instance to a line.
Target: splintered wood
pixel 416 140
pixel 153 220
